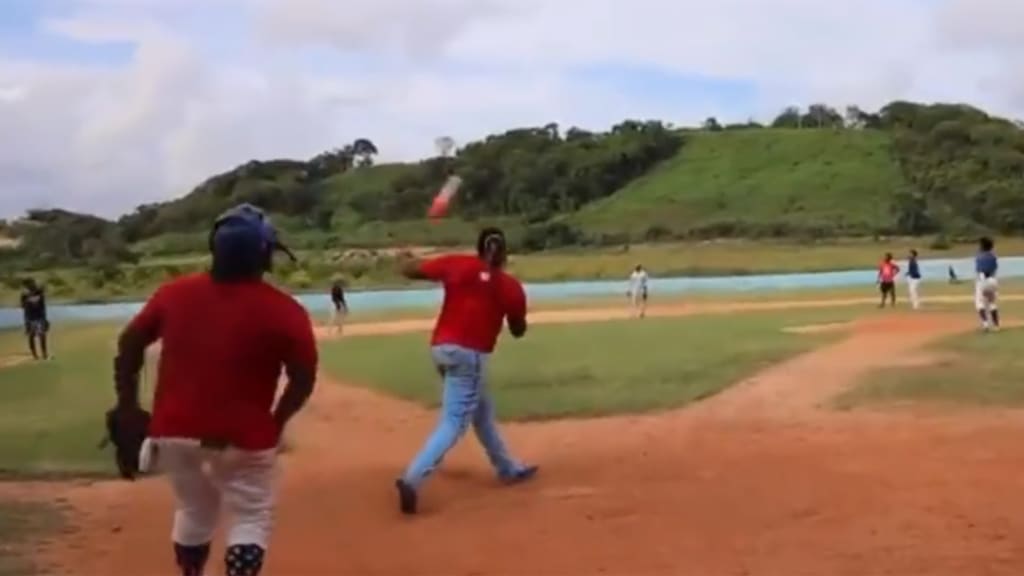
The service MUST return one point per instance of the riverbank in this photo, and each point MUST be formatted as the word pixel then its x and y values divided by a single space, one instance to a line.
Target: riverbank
pixel 377 269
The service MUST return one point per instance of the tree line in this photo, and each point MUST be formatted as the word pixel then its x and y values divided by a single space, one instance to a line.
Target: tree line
pixel 963 168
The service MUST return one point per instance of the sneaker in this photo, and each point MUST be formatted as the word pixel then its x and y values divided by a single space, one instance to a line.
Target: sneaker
pixel 406 497
pixel 521 475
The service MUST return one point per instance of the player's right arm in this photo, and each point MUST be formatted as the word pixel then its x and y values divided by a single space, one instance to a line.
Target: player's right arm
pixel 434 269
pixel 300 360
pixel 142 331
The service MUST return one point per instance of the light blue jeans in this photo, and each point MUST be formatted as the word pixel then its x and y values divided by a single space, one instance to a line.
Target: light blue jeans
pixel 466 400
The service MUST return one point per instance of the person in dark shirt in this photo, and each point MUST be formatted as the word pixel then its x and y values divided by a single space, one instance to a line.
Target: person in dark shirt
pixel 914 280
pixel 340 309
pixel 37 325
pixel 986 286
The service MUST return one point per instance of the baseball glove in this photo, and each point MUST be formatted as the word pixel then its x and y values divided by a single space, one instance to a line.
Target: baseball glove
pixel 127 429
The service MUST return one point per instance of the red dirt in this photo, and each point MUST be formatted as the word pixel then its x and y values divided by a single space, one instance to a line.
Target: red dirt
pixel 755 481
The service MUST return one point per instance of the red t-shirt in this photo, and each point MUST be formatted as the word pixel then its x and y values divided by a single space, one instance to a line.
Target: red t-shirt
pixel 887 271
pixel 223 349
pixel 477 299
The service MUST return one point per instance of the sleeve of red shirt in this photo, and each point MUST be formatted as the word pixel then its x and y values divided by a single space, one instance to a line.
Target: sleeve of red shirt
pixel 149 320
pixel 438 268
pixel 299 341
pixel 514 298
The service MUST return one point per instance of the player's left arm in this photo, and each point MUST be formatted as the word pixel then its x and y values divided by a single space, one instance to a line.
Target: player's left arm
pixel 514 302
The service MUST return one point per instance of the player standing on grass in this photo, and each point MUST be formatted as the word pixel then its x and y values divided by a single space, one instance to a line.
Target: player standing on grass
pixel 914 280
pixel 225 336
pixel 478 296
pixel 986 287
pixel 887 272
pixel 340 307
pixel 637 291
pixel 37 325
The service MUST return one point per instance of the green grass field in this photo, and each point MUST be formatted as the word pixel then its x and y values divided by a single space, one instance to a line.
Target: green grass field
pixel 593 369
pixel 972 369
pixel 792 179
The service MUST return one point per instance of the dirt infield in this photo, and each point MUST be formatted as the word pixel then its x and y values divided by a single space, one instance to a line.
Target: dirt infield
pixel 756 481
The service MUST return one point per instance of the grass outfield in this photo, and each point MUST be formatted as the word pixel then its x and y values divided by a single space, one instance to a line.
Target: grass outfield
pixel 51 413
pixel 564 370
pixel 971 369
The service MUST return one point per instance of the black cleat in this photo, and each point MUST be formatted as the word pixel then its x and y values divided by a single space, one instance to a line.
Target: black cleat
pixel 406 497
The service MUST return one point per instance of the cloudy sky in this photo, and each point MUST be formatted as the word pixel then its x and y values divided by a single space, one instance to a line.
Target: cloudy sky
pixel 106 104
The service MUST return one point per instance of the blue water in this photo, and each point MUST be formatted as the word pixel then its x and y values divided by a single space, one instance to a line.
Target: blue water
pixel 392 299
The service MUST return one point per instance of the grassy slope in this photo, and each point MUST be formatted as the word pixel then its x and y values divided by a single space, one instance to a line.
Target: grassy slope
pixel 833 179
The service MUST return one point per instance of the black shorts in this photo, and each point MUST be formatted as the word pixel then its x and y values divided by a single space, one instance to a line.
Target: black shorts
pixel 37 327
pixel 887 287
pixel 643 294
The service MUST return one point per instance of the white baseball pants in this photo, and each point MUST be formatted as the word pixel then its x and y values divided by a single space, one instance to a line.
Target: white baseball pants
pixel 913 290
pixel 205 479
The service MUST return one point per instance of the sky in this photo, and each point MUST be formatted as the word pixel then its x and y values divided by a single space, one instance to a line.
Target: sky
pixel 109 104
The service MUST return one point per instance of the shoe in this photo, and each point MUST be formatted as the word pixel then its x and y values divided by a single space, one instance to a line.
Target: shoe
pixel 406 497
pixel 521 475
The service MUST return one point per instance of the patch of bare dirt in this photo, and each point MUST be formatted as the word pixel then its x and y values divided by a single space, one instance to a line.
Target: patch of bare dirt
pixel 745 483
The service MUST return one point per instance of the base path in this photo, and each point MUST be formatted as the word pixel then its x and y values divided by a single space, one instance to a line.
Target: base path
pixel 757 481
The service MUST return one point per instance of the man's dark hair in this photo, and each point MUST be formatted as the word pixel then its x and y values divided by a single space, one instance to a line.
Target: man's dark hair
pixel 986 243
pixel 488 236
pixel 888 256
pixel 913 252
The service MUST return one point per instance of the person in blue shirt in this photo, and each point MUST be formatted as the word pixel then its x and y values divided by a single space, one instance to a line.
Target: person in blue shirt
pixel 986 287
pixel 914 280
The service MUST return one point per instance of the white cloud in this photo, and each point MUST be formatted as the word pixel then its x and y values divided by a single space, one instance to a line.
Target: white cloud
pixel 213 83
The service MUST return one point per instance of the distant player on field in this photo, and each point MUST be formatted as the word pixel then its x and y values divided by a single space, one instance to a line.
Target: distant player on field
pixel 226 336
pixel 914 280
pixel 339 308
pixel 637 292
pixel 986 287
pixel 887 272
pixel 478 297
pixel 37 325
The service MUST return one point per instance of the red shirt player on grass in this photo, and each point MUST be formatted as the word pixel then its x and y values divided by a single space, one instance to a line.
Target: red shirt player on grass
pixel 478 297
pixel 887 272
pixel 226 335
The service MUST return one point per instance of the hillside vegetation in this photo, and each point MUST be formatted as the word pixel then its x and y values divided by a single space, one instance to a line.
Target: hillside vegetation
pixel 945 170
pixel 771 182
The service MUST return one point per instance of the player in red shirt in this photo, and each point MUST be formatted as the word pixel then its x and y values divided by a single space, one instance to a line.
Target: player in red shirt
pixel 887 272
pixel 225 337
pixel 478 297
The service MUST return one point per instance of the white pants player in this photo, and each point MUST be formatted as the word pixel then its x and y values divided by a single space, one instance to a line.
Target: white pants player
pixel 638 300
pixel 205 480
pixel 914 292
pixel 986 301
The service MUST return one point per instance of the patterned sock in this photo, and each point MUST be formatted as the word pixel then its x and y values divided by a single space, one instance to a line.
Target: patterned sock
pixel 244 560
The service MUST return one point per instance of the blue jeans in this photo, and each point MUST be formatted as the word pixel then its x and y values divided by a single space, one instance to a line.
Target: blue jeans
pixel 466 400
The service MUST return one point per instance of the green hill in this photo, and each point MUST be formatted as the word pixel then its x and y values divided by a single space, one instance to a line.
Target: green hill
pixel 777 182
pixel 909 169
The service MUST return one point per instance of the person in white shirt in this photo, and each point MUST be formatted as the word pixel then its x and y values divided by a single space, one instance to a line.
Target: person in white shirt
pixel 637 292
